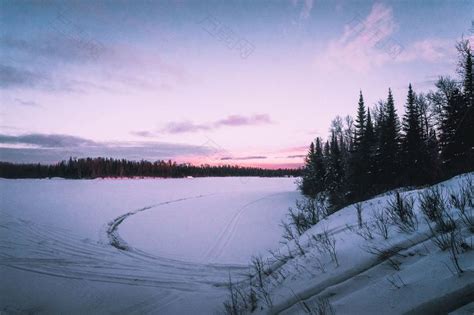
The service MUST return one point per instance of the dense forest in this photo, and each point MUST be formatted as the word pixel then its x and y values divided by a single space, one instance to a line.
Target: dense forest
pixel 377 151
pixel 108 167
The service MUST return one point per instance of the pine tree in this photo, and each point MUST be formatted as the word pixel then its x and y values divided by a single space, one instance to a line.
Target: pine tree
pixel 320 170
pixel 313 177
pixel 453 145
pixel 468 84
pixel 414 153
pixel 308 183
pixel 335 175
pixel 389 146
pixel 467 124
pixel 358 170
pixel 359 122
pixel 370 144
pixel 369 134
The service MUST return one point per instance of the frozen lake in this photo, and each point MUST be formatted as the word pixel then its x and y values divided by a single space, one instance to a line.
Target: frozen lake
pixel 133 246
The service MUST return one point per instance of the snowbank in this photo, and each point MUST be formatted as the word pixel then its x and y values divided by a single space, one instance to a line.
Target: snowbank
pixel 405 273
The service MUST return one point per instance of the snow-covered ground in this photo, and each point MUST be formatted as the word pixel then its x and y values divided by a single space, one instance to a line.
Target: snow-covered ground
pixel 162 246
pixel 403 274
pixel 168 247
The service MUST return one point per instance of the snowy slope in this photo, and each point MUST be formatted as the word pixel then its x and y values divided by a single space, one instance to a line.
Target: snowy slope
pixel 404 274
pixel 60 242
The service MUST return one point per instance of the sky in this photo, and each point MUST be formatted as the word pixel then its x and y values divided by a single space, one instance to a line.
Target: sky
pixel 218 82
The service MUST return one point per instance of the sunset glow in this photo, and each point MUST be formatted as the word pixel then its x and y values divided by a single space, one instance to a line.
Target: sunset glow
pixel 212 82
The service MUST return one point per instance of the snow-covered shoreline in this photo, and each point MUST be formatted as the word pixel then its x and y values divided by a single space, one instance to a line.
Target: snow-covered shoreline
pixel 405 273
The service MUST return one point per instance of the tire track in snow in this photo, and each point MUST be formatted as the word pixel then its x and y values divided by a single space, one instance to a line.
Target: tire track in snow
pixel 117 242
pixel 112 232
pixel 31 247
pixel 228 232
pixel 56 252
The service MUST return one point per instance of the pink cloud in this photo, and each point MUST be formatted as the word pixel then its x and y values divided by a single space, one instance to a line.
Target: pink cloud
pixel 185 126
pixel 430 50
pixel 371 41
pixel 238 120
pixel 229 121
pixel 243 158
pixel 360 46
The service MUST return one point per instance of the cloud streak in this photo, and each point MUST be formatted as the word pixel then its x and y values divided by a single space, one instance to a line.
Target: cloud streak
pixel 46 141
pixel 184 127
pixel 26 103
pixel 188 126
pixel 238 120
pixel 229 121
pixel 50 148
pixel 13 77
pixel 243 158
pixel 296 156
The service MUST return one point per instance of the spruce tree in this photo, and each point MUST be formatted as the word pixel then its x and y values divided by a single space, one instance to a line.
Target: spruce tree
pixel 369 134
pixel 453 144
pixel 468 84
pixel 359 122
pixel 308 183
pixel 313 177
pixel 467 124
pixel 320 170
pixel 359 162
pixel 370 144
pixel 389 146
pixel 414 153
pixel 335 175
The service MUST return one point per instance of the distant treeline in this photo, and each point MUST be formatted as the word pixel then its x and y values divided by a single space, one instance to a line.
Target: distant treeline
pixel 109 167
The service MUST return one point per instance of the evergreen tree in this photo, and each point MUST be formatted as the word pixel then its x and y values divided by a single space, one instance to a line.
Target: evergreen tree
pixel 320 169
pixel 369 134
pixel 314 173
pixel 414 153
pixel 335 175
pixel 308 178
pixel 467 124
pixel 359 162
pixel 468 79
pixel 454 147
pixel 370 146
pixel 389 146
pixel 327 155
pixel 359 123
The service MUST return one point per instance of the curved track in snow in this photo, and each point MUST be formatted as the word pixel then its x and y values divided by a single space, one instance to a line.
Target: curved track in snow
pixel 54 251
pixel 112 231
pixel 228 231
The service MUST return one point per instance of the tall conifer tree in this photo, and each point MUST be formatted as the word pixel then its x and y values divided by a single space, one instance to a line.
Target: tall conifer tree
pixel 414 154
pixel 389 145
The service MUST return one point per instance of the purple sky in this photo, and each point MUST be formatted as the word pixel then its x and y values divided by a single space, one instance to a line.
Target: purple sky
pixel 240 82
